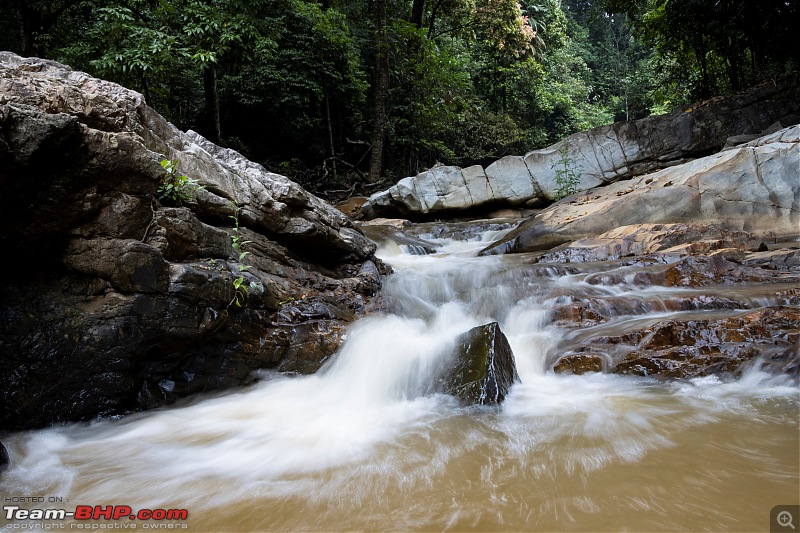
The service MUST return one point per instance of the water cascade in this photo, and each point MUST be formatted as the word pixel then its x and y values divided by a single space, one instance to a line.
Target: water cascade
pixel 365 445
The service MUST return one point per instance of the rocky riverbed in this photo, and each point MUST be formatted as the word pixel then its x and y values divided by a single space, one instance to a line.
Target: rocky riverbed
pixel 129 301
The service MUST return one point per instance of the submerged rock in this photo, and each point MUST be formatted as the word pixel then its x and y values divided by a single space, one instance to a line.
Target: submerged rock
pixel 484 367
pixel 126 302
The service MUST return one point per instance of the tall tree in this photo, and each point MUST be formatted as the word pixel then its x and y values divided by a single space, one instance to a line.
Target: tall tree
pixel 380 92
pixel 37 18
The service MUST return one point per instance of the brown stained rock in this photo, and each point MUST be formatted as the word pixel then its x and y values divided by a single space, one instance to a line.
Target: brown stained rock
pixel 352 207
pixel 701 271
pixel 694 348
pixel 580 364
pixel 579 314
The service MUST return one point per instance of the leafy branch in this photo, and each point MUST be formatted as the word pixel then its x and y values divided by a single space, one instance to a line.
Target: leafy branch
pixel 176 187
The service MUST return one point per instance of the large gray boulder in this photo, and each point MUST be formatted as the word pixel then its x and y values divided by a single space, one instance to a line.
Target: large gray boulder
pixel 120 302
pixel 601 156
pixel 754 187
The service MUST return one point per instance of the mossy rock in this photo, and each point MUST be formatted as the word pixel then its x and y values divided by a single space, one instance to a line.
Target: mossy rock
pixel 483 369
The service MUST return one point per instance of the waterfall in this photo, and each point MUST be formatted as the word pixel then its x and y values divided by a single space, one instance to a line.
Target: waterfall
pixel 366 444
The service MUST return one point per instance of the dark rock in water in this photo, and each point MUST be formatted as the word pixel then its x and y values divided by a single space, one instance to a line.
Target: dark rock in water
pixel 484 368
pixel 786 362
pixel 126 303
pixel 4 458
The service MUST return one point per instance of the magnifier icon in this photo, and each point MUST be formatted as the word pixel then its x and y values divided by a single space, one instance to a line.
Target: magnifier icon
pixel 785 519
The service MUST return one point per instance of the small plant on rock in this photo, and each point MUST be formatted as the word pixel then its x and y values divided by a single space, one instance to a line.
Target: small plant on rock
pixel 241 290
pixel 568 174
pixel 176 187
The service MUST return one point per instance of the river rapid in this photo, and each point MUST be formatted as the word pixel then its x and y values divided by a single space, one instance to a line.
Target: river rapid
pixel 364 445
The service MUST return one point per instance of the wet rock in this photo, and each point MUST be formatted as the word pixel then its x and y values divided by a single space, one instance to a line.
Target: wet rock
pixel 724 267
pixel 695 348
pixel 460 231
pixel 484 367
pixel 588 312
pixel 397 223
pixel 601 156
pixel 4 458
pixel 396 234
pixel 129 303
pixel 580 364
pixel 579 314
pixel 786 362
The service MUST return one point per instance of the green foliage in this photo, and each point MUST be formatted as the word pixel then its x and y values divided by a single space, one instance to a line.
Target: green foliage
pixel 314 81
pixel 716 46
pixel 568 174
pixel 240 289
pixel 470 81
pixel 431 91
pixel 176 187
pixel 483 137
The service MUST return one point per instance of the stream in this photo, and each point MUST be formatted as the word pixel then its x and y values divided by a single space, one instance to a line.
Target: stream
pixel 364 445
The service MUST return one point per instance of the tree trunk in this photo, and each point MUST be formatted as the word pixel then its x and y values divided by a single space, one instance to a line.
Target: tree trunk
pixel 330 133
pixel 37 19
pixel 211 94
pixel 432 18
pixel 417 13
pixel 34 23
pixel 381 88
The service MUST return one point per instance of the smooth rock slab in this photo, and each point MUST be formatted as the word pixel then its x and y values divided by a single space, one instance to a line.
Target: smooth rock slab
pixel 599 156
pixel 753 187
pixel 484 368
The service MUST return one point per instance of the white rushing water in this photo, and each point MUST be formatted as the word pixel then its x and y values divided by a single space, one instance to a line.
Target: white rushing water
pixel 364 445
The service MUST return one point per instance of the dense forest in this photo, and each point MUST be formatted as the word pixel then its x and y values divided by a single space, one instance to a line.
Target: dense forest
pixel 345 95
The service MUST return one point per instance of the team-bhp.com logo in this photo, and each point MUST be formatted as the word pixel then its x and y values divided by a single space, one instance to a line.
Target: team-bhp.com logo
pixel 97 512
